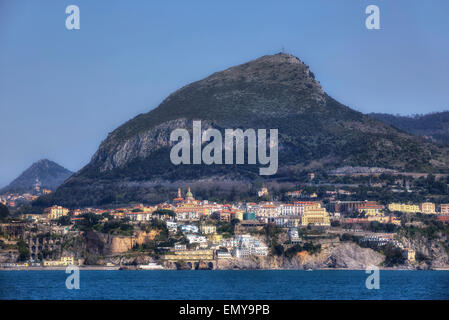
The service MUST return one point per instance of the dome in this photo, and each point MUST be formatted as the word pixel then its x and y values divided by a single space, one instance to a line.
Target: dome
pixel 189 195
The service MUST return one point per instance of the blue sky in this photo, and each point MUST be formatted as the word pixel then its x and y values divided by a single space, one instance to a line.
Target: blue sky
pixel 62 91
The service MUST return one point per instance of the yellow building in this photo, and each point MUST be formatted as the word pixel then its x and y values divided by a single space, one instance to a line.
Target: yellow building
pixel 315 215
pixel 409 254
pixel 427 208
pixel 64 261
pixel 56 212
pixel 208 228
pixel 239 215
pixel 381 219
pixel 372 210
pixel 189 255
pixel 401 207
pixel 215 238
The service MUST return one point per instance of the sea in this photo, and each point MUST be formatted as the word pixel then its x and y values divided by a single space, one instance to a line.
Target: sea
pixel 224 285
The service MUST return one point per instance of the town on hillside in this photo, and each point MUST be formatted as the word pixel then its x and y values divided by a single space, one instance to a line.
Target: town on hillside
pixel 187 233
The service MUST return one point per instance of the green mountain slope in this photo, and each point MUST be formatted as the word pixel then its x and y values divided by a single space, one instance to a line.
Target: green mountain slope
pixel 272 92
pixel 432 126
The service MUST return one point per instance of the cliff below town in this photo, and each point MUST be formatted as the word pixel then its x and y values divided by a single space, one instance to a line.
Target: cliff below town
pixel 431 253
pixel 101 244
pixel 344 255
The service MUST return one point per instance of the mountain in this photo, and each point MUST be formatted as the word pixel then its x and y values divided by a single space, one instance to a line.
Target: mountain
pixel 432 126
pixel 46 173
pixel 316 132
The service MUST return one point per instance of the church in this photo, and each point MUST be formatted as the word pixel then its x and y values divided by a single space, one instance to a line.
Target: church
pixel 180 200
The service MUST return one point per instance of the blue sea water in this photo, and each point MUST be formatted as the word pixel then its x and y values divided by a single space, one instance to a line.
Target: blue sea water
pixel 247 284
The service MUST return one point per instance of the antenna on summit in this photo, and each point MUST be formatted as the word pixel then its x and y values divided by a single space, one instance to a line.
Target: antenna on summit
pixel 283 49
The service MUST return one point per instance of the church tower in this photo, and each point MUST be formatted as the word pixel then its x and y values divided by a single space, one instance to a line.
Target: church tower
pixel 179 199
pixel 189 196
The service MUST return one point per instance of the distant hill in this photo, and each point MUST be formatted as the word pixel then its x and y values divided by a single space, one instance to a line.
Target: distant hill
pixel 432 126
pixel 279 91
pixel 46 173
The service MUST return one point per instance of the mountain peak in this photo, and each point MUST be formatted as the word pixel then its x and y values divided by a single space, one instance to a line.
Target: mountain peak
pixel 48 173
pixel 44 162
pixel 282 57
pixel 281 68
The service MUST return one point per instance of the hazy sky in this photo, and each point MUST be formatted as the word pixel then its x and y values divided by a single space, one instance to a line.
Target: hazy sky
pixel 62 91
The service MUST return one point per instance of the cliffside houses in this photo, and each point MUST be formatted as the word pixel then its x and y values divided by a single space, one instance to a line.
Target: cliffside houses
pixel 200 220
pixel 371 209
pixel 349 207
pixel 188 210
pixel 62 262
pixel 315 215
pixel 402 207
pixel 375 211
pixel 245 245
pixel 424 208
pixel 290 214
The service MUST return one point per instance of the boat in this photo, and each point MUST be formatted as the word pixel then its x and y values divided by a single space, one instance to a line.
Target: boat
pixel 150 266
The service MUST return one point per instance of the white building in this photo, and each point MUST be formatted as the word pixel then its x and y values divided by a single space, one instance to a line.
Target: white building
pixel 260 251
pixel 138 216
pixel 223 255
pixel 193 238
pixel 172 226
pixel 287 209
pixel 180 247
pixel 188 216
pixel 288 221
pixel 241 252
pixel 189 228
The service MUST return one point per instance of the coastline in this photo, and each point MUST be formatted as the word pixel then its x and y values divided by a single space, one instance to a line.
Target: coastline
pixel 98 268
pixel 117 268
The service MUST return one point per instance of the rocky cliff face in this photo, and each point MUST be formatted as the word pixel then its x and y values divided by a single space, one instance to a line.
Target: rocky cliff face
pixel 351 256
pixel 101 244
pixel 431 254
pixel 344 255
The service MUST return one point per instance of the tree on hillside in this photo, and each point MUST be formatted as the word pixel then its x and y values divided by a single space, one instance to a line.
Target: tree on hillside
pixel 24 253
pixel 4 211
pixel 64 221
